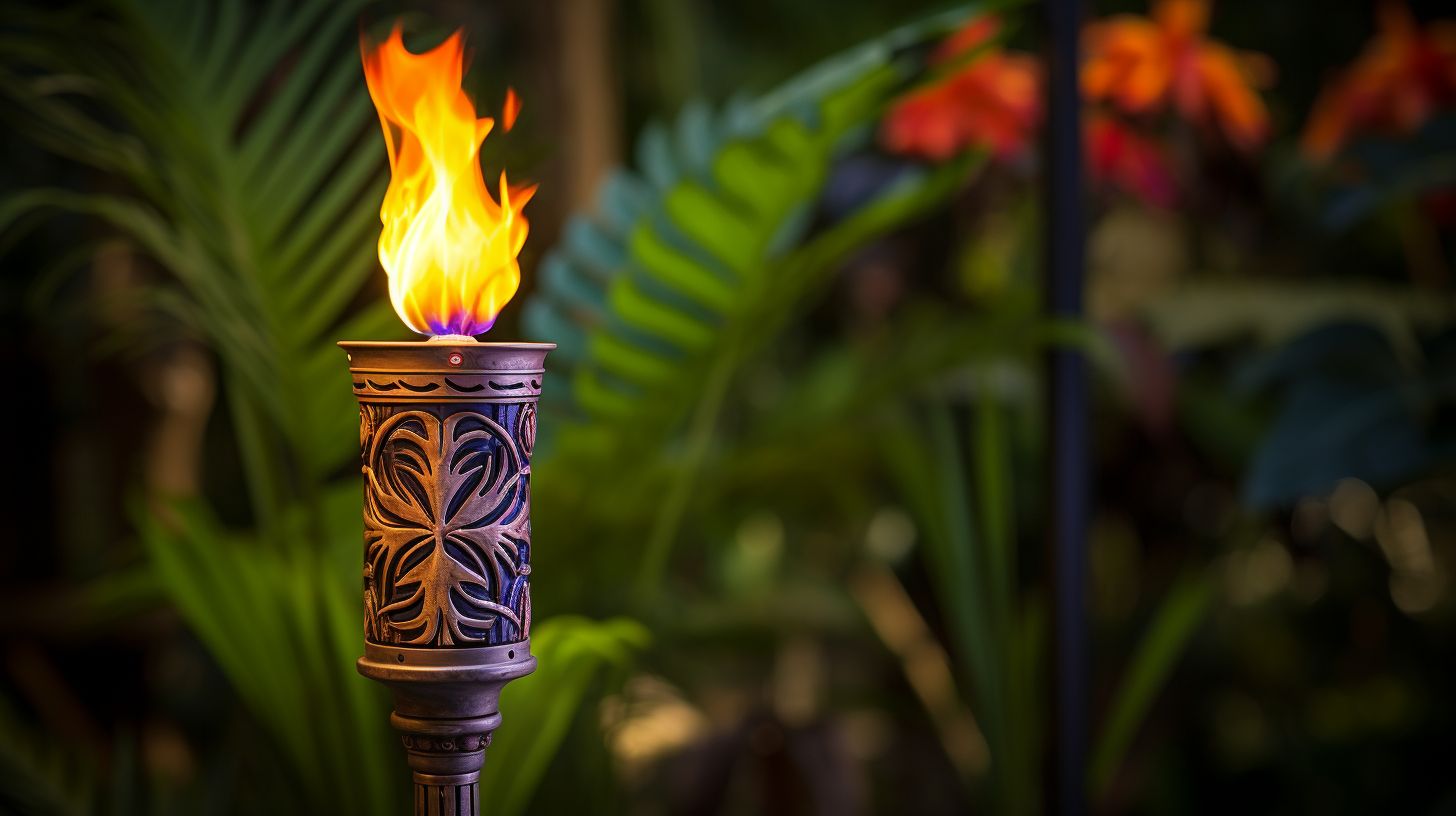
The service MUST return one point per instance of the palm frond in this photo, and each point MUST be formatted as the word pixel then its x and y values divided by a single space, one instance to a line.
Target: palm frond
pixel 688 255
pixel 252 164
pixel 697 261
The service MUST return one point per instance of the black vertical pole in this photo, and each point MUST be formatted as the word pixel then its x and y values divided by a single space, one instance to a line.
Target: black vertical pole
pixel 1067 412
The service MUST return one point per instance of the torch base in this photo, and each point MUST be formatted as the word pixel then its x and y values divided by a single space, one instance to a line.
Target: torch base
pixel 446 706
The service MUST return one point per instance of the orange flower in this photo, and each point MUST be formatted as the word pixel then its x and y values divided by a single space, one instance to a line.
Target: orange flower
pixel 1403 76
pixel 993 101
pixel 1118 156
pixel 1142 65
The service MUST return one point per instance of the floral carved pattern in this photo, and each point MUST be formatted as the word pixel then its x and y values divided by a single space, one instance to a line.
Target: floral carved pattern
pixel 446 526
pixel 526 429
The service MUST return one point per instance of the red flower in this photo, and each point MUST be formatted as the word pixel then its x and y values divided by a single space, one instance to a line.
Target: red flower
pixel 1403 76
pixel 1142 66
pixel 974 34
pixel 1119 157
pixel 992 102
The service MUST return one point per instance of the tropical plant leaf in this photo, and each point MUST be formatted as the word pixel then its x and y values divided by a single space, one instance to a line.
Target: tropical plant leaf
pixel 285 629
pixel 37 778
pixel 1349 407
pixel 958 485
pixel 933 481
pixel 686 254
pixel 1202 315
pixel 699 260
pixel 252 170
pixel 575 656
pixel 1173 626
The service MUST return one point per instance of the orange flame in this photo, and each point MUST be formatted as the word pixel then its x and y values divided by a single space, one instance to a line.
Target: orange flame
pixel 510 110
pixel 448 247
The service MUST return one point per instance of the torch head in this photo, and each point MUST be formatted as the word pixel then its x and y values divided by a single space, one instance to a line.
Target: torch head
pixel 446 432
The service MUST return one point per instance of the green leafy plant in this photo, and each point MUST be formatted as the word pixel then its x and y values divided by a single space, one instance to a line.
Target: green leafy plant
pixel 692 266
pixel 970 547
pixel 954 468
pixel 39 778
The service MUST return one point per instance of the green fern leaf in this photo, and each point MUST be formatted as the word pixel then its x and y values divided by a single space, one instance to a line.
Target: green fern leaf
pixel 685 256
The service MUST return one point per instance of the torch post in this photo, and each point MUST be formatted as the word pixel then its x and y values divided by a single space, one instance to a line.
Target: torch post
pixel 446 433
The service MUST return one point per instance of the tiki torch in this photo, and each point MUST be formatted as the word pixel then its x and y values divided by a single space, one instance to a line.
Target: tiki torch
pixel 446 430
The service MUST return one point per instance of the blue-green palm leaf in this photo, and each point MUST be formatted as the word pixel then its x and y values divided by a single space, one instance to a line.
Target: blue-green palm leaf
pixel 711 243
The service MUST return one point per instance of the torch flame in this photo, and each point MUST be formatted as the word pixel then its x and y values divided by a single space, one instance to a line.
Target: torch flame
pixel 448 247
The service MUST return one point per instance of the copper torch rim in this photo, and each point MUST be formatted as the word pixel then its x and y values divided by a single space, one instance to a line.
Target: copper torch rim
pixel 473 344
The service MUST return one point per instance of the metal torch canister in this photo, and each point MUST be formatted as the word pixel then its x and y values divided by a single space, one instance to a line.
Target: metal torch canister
pixel 446 430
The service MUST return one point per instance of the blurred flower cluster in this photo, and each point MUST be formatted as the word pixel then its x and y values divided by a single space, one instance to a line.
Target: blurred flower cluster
pixel 1143 68
pixel 1142 78
pixel 1405 75
pixel 990 99
pixel 1152 82
pixel 1145 76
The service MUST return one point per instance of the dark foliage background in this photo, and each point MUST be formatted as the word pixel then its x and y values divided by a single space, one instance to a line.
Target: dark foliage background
pixel 790 506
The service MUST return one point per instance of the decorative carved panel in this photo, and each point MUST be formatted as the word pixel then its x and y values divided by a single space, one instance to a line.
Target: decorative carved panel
pixel 446 437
